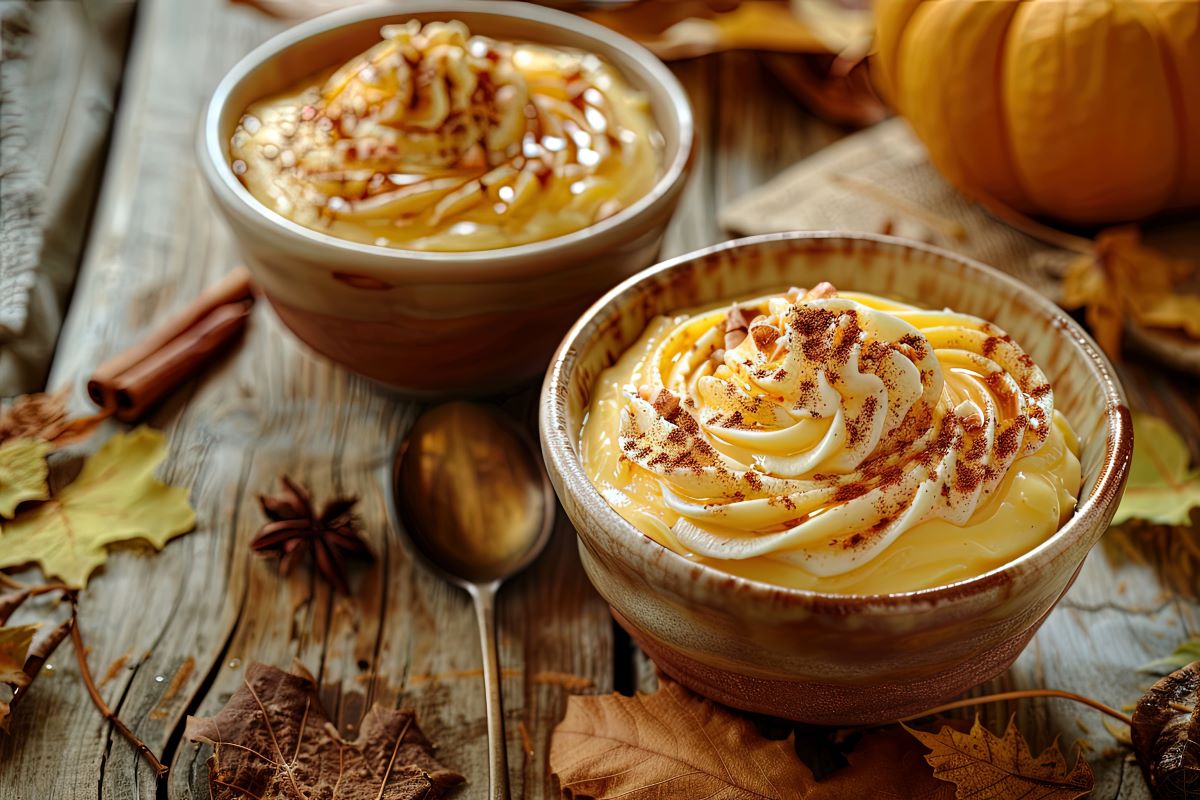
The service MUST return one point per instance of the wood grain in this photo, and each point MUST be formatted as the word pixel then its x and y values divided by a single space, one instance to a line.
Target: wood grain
pixel 171 634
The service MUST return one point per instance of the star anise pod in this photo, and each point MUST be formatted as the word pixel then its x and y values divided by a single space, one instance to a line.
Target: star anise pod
pixel 331 537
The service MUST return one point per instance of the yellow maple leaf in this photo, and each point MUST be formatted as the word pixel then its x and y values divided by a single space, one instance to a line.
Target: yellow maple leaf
pixel 115 498
pixel 983 766
pixel 23 473
pixel 1162 489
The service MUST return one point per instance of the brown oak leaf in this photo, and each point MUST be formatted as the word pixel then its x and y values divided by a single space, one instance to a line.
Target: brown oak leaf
pixel 274 741
pixel 1166 734
pixel 984 766
pixel 674 743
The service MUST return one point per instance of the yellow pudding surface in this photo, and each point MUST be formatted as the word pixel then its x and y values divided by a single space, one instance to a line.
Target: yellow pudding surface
pixel 833 441
pixel 438 140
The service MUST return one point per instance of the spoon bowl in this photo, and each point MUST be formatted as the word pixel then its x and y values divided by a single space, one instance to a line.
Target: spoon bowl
pixel 473 495
pixel 471 492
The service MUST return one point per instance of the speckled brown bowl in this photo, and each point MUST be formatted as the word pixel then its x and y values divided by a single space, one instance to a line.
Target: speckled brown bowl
pixel 439 323
pixel 824 658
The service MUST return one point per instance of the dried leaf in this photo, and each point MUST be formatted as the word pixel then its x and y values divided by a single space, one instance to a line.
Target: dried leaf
pixel 1187 652
pixel 1086 286
pixel 886 764
pixel 984 766
pixel 44 417
pixel 1124 279
pixel 1161 488
pixel 691 28
pixel 14 648
pixel 23 473
pixel 21 658
pixel 274 741
pixel 116 498
pixel 1166 734
pixel 673 743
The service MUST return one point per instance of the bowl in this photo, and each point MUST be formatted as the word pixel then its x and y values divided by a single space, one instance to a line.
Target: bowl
pixel 431 322
pixel 825 658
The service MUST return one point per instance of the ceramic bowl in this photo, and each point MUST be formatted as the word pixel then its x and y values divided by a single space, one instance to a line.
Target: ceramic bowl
pixel 825 658
pixel 438 322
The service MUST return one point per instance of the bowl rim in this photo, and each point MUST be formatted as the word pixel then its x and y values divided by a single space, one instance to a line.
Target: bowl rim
pixel 563 460
pixel 444 265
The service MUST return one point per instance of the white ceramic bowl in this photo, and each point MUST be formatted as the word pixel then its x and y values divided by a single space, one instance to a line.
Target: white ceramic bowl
pixel 433 322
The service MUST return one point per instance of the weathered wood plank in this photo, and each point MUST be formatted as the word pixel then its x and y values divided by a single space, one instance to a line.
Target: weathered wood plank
pixel 181 626
pixel 172 633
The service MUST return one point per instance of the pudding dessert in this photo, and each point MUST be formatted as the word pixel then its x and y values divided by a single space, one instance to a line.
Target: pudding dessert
pixel 833 441
pixel 438 140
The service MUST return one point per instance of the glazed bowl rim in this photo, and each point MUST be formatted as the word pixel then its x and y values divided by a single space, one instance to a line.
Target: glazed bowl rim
pixel 563 460
pixel 444 265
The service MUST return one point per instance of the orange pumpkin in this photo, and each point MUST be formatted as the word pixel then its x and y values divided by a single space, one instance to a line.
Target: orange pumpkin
pixel 1087 111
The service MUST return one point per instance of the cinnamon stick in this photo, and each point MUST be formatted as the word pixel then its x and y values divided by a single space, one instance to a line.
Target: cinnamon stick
pixel 131 382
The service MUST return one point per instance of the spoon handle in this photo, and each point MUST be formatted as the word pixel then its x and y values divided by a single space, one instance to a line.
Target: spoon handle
pixel 485 612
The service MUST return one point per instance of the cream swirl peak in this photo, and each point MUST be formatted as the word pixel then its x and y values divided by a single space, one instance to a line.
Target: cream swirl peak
pixel 817 430
pixel 435 139
pixel 429 96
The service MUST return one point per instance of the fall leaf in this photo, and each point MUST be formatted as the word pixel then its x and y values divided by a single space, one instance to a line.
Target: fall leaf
pixel 14 648
pixel 984 766
pixel 1161 488
pixel 674 743
pixel 23 473
pixel 115 498
pixel 44 417
pixel 1187 652
pixel 274 741
pixel 21 658
pixel 1124 279
pixel 886 764
pixel 1166 734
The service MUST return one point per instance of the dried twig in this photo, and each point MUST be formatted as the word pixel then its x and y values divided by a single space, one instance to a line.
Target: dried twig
pixel 1020 695
pixel 160 770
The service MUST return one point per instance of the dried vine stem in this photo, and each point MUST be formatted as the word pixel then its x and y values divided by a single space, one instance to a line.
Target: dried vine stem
pixel 160 770
pixel 1021 695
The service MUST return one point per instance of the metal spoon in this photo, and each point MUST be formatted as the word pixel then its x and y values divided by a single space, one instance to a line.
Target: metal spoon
pixel 474 497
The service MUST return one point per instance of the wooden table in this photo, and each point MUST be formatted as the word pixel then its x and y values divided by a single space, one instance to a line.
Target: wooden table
pixel 170 634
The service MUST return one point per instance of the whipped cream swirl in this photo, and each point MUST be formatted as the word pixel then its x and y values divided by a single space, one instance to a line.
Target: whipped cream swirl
pixel 428 96
pixel 816 429
pixel 435 139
